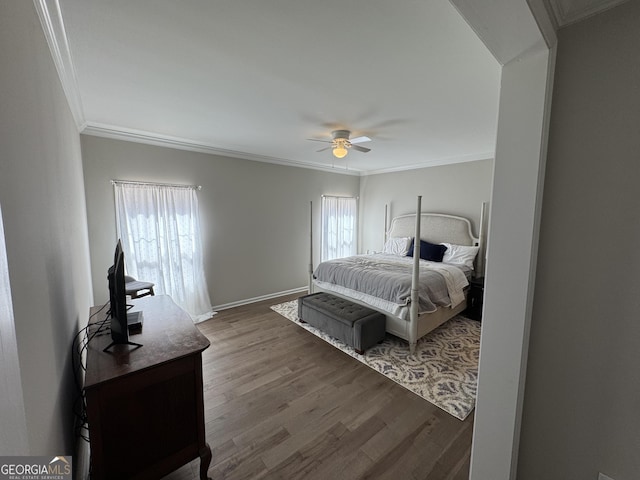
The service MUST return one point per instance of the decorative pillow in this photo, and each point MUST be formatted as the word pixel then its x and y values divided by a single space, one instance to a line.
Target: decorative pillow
pixel 397 245
pixel 460 254
pixel 429 251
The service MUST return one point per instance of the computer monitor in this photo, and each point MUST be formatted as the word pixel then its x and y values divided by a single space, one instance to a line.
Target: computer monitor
pixel 118 301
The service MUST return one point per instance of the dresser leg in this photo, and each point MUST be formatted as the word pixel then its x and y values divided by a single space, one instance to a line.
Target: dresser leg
pixel 205 461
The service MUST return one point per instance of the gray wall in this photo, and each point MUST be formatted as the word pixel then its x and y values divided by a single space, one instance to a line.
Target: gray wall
pixel 254 216
pixel 583 381
pixel 251 208
pixel 457 189
pixel 42 198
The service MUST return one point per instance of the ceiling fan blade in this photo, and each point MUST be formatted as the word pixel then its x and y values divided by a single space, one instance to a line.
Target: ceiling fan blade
pixel 360 149
pixel 319 140
pixel 360 140
pixel 323 149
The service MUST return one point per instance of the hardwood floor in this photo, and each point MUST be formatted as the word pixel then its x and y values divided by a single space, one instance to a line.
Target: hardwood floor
pixel 281 403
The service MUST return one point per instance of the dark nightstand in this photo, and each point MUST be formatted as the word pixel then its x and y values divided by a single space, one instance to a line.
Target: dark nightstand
pixel 474 299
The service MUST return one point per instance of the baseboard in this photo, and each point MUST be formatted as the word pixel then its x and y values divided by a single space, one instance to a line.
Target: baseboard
pixel 248 301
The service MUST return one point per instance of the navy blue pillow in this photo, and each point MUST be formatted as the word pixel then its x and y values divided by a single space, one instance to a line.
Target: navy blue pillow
pixel 429 251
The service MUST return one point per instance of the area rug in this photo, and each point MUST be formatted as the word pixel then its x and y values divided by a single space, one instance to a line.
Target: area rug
pixel 443 370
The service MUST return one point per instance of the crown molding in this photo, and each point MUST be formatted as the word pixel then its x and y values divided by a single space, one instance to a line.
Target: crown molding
pixel 435 163
pixel 139 136
pixel 567 13
pixel 149 138
pixel 52 24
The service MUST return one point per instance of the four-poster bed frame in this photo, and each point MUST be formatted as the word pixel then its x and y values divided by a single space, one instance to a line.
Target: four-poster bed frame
pixel 431 227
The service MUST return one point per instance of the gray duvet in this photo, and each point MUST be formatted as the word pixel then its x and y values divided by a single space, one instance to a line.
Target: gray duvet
pixel 387 277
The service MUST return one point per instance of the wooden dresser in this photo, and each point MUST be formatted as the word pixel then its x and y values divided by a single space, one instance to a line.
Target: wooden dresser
pixel 145 405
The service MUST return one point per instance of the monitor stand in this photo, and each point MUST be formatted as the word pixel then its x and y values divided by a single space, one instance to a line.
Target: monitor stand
pixel 106 349
pixel 134 325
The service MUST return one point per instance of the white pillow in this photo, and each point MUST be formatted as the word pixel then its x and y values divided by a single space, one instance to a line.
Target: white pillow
pixel 397 245
pixel 460 254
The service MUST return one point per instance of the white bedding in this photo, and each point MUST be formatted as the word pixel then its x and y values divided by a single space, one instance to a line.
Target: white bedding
pixel 400 311
pixel 454 278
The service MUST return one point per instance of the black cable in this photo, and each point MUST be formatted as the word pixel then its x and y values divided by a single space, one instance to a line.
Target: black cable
pixel 78 346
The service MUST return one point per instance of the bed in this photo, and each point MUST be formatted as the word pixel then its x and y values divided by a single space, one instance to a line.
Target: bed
pixel 416 295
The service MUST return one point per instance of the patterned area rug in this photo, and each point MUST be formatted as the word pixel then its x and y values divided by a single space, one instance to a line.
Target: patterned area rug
pixel 443 370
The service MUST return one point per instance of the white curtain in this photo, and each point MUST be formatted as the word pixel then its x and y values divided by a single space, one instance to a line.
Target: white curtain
pixel 339 224
pixel 160 232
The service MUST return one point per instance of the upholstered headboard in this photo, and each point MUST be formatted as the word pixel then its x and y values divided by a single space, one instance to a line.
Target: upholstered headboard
pixel 435 228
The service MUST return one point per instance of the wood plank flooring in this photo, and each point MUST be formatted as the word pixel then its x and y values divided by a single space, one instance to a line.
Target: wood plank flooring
pixel 282 404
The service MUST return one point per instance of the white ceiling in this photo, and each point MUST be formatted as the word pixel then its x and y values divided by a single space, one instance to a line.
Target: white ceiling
pixel 254 79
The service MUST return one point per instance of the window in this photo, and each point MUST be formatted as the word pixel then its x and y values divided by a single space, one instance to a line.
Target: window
pixel 339 225
pixel 160 232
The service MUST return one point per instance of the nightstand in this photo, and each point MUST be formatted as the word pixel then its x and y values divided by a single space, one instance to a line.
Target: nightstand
pixel 475 299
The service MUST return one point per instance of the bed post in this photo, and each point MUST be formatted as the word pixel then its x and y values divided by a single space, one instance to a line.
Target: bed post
pixel 415 282
pixel 481 251
pixel 311 247
pixel 386 226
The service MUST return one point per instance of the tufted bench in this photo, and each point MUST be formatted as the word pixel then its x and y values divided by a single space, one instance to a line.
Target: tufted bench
pixel 354 324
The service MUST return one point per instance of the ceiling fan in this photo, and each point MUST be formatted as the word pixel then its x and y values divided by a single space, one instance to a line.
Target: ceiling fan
pixel 340 143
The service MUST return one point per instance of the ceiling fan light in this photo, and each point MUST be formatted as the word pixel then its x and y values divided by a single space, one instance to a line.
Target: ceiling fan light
pixel 340 152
